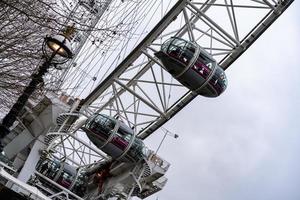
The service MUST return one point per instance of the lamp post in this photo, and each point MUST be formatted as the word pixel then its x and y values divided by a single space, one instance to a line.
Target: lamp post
pixel 167 132
pixel 56 50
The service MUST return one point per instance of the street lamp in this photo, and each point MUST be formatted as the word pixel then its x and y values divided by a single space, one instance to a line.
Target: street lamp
pixel 56 50
pixel 167 132
pixel 58 45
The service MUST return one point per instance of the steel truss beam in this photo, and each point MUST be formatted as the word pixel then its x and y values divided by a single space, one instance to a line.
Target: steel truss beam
pixel 88 16
pixel 73 148
pixel 143 94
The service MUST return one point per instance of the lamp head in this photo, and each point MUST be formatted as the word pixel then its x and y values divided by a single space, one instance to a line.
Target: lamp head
pixel 59 44
pixel 57 48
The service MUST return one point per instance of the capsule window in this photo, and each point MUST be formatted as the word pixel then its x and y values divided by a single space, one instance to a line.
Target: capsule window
pixel 181 50
pixel 106 124
pixel 165 45
pixel 204 59
pixel 137 148
pixel 124 130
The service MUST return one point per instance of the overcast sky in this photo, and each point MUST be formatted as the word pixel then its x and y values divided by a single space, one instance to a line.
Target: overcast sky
pixel 244 144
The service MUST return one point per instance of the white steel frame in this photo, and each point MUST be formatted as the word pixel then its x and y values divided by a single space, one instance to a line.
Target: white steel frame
pixel 139 89
pixel 142 93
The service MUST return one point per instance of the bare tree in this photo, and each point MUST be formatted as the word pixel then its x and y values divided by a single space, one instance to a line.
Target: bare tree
pixel 23 25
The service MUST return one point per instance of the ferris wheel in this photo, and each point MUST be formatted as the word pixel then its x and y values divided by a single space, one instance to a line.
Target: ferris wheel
pixel 140 63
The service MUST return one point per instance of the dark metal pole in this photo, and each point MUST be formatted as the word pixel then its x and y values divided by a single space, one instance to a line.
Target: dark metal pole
pixel 11 116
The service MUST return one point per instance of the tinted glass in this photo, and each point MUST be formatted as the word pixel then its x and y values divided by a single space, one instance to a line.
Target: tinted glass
pixel 101 123
pixel 205 60
pixel 181 50
pixel 124 130
pixel 165 45
pixel 137 149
